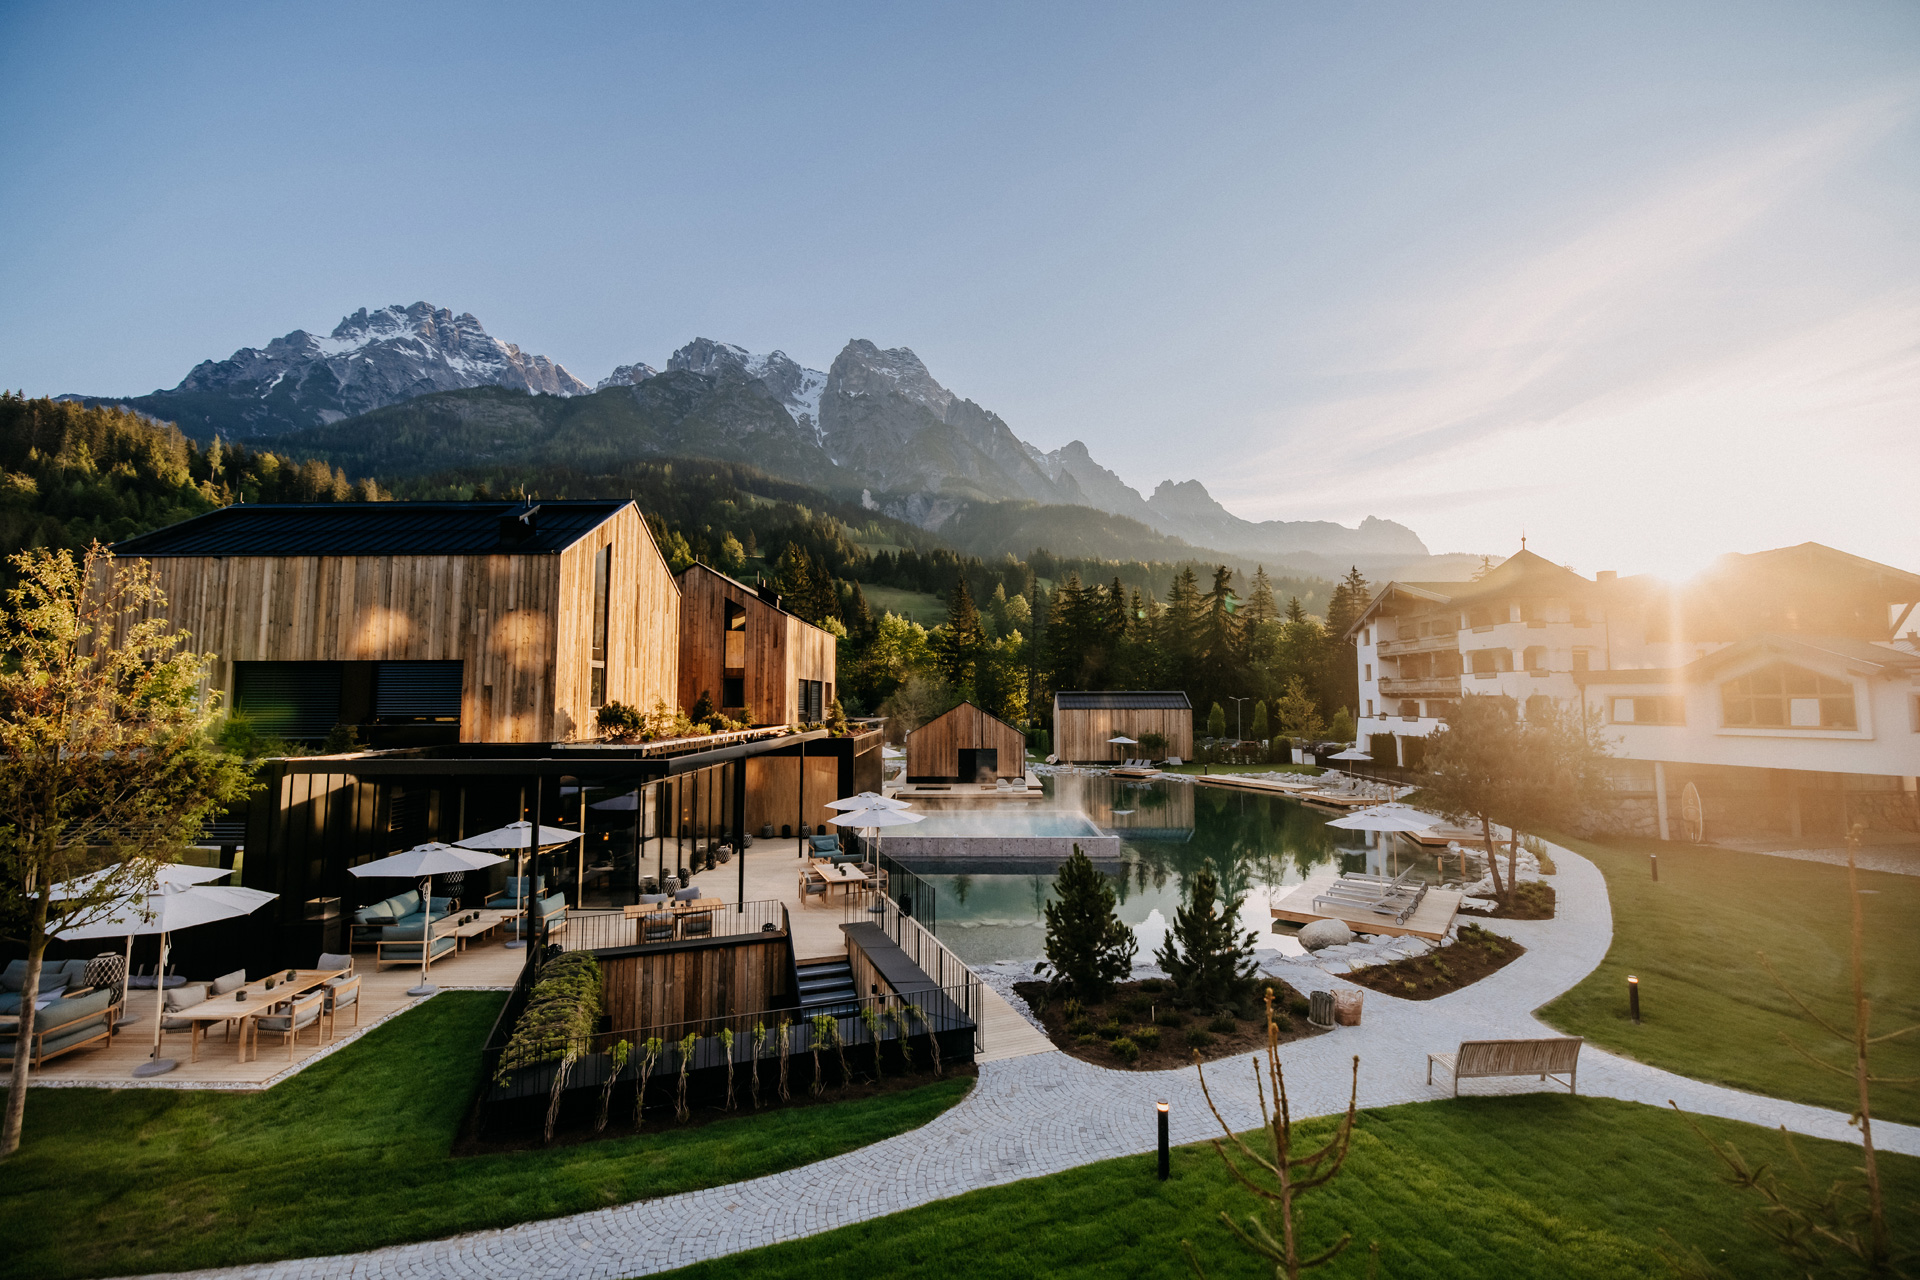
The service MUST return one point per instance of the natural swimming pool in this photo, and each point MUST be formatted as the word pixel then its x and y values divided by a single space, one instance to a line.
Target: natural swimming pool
pixel 1258 847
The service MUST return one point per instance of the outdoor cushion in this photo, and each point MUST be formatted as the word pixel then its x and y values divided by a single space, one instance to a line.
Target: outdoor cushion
pixel 378 913
pixel 411 950
pixel 825 843
pixel 515 884
pixel 687 894
pixel 550 904
pixel 405 931
pixel 61 1013
pixel 15 976
pixel 328 960
pixel 229 983
pixel 654 899
pixel 186 995
pixel 405 904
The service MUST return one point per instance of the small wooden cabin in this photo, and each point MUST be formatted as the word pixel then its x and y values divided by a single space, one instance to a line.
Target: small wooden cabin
pixel 966 745
pixel 1083 723
pixel 423 622
pixel 757 662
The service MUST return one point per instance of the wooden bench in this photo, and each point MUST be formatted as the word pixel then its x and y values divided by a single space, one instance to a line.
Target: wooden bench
pixel 1479 1059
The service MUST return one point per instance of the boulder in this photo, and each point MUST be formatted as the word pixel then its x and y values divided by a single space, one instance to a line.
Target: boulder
pixel 1325 933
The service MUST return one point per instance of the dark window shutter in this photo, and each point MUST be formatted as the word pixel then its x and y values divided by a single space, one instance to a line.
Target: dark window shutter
pixel 417 690
pixel 298 700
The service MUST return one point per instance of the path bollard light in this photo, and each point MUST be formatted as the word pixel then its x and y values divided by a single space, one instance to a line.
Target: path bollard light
pixel 1162 1108
pixel 1655 859
pixel 1633 998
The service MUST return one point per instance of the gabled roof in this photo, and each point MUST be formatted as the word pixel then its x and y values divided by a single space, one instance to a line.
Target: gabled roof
pixel 1123 700
pixel 977 710
pixel 378 529
pixel 1522 571
pixel 1817 560
pixel 752 592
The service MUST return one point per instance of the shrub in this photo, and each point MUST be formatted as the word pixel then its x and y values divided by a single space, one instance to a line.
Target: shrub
pixel 1299 1006
pixel 1147 1037
pixel 1072 1008
pixel 1087 1039
pixel 1171 1018
pixel 1198 1038
pixel 1111 1029
pixel 1137 1006
pixel 1153 986
pixel 1081 1026
pixel 1125 1050
pixel 562 1011
pixel 618 720
pixel 1223 1025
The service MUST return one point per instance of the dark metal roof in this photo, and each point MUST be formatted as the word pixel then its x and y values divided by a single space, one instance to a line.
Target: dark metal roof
pixel 1121 700
pixel 378 529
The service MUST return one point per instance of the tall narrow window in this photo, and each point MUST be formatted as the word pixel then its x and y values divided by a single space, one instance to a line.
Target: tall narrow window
pixel 733 661
pixel 597 659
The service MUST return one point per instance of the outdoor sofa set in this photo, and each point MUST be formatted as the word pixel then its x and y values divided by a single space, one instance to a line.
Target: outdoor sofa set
pixel 397 927
pixel 73 1013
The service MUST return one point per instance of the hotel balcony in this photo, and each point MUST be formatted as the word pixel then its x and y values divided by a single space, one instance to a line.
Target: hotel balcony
pixel 1444 643
pixel 1423 687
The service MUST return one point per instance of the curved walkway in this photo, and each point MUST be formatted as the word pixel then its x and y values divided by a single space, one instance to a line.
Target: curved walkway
pixel 1048 1112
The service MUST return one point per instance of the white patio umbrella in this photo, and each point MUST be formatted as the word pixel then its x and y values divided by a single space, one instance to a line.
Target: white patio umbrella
pixel 1351 753
pixel 875 818
pixel 629 802
pixel 868 800
pixel 166 910
pixel 518 836
pixel 424 862
pixel 138 871
pixel 1122 740
pixel 1385 817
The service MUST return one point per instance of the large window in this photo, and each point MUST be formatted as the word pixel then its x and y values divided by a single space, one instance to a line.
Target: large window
pixel 1783 696
pixel 733 660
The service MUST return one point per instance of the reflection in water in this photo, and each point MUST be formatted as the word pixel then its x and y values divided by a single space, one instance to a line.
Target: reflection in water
pixel 1257 846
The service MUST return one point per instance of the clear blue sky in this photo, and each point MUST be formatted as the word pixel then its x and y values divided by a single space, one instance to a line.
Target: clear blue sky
pixel 1637 278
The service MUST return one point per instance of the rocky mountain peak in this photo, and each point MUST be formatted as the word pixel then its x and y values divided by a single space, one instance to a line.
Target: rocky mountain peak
pixel 627 375
pixel 796 387
pixel 862 368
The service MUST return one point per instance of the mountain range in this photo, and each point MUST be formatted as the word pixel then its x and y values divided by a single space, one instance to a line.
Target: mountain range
pixel 416 389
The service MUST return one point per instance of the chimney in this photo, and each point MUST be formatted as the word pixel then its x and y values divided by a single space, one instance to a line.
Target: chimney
pixel 517 524
pixel 1606 575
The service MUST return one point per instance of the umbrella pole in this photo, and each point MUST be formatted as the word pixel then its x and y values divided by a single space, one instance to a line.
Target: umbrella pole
pixel 126 977
pixel 519 899
pixel 426 939
pixel 157 1065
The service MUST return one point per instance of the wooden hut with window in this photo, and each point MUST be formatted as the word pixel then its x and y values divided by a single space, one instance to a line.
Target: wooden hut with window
pixel 423 622
pixel 758 662
pixel 966 745
pixel 1084 722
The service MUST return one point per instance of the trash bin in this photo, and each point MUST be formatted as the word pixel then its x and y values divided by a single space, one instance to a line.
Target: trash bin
pixel 1320 1008
pixel 1346 1007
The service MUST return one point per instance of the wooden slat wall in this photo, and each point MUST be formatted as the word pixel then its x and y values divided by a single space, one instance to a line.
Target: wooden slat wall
pixel 664 988
pixel 770 792
pixel 1082 735
pixel 781 649
pixel 933 750
pixel 643 632
pixel 521 624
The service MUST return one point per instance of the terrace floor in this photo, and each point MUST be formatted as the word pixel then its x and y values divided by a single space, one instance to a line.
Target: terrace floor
pixel 382 995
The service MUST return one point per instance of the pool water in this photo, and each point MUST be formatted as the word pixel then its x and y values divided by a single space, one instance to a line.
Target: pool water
pixel 1257 846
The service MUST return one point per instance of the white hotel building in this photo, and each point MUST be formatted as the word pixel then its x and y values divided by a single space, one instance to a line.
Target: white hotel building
pixel 1776 695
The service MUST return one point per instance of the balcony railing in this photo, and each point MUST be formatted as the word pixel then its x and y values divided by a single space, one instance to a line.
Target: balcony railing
pixel 608 930
pixel 1422 687
pixel 1444 643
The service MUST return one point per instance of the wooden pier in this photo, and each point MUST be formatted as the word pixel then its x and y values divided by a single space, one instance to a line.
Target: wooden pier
pixel 1430 920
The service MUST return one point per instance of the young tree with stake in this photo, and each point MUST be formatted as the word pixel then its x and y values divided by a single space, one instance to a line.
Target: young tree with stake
pixel 104 753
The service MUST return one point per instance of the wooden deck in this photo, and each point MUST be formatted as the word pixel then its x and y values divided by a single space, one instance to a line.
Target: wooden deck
pixel 382 994
pixel 1430 921
pixel 1266 786
pixel 1027 788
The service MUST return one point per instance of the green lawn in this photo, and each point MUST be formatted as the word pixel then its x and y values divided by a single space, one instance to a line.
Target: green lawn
pixel 918 606
pixel 352 1154
pixel 1532 1185
pixel 1710 1010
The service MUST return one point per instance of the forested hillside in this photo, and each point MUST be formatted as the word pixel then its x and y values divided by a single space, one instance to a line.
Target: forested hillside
pixel 70 474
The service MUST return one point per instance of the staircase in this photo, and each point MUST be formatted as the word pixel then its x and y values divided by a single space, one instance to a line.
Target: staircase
pixel 826 986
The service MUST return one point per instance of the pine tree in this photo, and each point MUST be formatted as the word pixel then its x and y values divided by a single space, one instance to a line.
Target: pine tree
pixel 961 641
pixel 1260 605
pixel 1208 957
pixel 1296 612
pixel 1217 722
pixel 1089 948
pixel 1259 728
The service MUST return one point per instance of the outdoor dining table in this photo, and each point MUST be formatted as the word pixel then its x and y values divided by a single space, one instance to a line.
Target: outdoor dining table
pixel 259 1001
pixel 844 874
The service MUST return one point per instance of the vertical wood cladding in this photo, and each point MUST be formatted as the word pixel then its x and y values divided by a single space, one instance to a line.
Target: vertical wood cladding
pixel 522 624
pixel 665 989
pixel 933 750
pixel 781 650
pixel 1083 734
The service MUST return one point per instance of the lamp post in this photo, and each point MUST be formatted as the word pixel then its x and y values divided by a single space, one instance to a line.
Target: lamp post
pixel 1161 1107
pixel 1236 716
pixel 1633 998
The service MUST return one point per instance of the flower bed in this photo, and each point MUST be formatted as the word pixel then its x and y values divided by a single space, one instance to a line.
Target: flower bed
pixel 1138 1027
pixel 1476 953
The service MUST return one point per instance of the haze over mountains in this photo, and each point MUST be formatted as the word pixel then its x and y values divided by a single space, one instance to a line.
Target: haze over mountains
pixel 415 389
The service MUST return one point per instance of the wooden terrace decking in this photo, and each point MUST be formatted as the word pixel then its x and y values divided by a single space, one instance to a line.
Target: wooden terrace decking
pixel 1430 920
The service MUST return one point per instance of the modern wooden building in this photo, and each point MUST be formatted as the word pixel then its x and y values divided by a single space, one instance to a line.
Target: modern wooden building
pixel 757 662
pixel 423 622
pixel 1083 722
pixel 966 745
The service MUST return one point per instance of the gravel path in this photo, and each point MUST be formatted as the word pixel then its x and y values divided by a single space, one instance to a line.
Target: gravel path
pixel 1047 1112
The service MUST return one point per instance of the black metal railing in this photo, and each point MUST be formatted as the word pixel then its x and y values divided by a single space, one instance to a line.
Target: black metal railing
pixel 912 895
pixel 611 930
pixel 946 970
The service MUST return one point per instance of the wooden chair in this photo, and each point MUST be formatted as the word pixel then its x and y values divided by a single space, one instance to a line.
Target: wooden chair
pixel 811 885
pixel 302 1012
pixel 341 993
pixel 696 924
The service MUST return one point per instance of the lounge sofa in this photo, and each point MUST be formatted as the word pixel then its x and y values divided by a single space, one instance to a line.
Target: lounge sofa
pixel 64 1024
pixel 55 975
pixel 402 909
pixel 400 943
